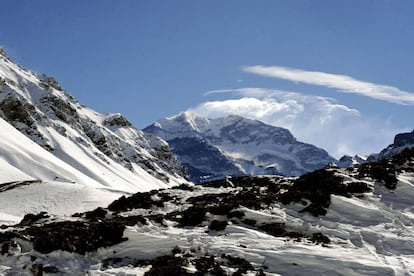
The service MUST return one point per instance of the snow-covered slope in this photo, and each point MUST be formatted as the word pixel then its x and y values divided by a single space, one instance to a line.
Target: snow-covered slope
pixel 214 148
pixel 357 221
pixel 47 135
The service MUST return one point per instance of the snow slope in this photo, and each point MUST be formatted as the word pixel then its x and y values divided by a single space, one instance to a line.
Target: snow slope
pixel 47 136
pixel 215 148
pixel 242 225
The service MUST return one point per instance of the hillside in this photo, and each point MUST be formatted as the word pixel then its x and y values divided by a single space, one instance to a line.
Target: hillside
pixel 49 137
pixel 332 221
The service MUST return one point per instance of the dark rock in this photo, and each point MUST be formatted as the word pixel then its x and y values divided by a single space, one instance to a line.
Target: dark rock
pixel 15 111
pixel 98 213
pixel 242 265
pixel 383 171
pixel 128 220
pixel 274 229
pixel 316 186
pixel 207 265
pixel 183 187
pixel 136 201
pixel 236 214
pixel 217 225
pixel 50 269
pixel 117 120
pixel 75 236
pixel 319 238
pixel 249 222
pixel 29 219
pixel 358 187
pixel 167 265
pixel 403 139
pixel 37 269
pixel 193 216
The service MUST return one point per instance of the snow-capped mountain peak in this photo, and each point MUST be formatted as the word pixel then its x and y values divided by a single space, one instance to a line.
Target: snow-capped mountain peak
pixel 234 145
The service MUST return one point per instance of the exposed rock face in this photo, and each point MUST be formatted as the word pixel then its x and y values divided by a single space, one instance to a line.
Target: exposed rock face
pixel 404 139
pixel 215 148
pixel 41 109
pixel 401 142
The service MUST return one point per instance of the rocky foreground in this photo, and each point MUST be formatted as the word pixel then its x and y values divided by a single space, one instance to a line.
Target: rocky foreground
pixel 357 221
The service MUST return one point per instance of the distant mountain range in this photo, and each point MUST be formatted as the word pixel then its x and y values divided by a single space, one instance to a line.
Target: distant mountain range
pixel 401 141
pixel 234 146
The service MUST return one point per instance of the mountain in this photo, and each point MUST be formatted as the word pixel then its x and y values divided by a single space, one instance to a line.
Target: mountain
pixel 348 161
pixel 215 148
pixel 49 137
pixel 401 142
pixel 355 221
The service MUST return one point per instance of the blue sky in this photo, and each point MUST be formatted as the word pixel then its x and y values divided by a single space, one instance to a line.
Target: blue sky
pixel 152 59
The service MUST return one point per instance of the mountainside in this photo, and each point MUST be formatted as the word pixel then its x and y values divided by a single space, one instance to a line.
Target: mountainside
pixel 357 221
pixel 401 142
pixel 215 148
pixel 71 143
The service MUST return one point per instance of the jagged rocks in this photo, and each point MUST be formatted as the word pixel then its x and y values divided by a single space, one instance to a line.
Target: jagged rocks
pixel 382 171
pixel 317 187
pixel 117 120
pixel 62 109
pixel 30 219
pixel 79 237
pixel 187 264
pixel 14 111
pixel 136 201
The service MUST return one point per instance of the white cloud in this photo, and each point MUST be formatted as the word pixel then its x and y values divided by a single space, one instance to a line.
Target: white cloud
pixel 317 120
pixel 343 83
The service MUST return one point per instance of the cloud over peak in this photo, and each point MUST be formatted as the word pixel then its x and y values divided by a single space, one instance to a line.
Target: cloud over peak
pixel 342 83
pixel 313 119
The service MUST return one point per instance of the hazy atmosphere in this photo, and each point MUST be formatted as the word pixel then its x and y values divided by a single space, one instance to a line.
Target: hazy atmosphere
pixel 337 74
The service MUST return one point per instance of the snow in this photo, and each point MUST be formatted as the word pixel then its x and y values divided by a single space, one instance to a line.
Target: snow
pixel 368 245
pixel 247 144
pixel 60 155
pixel 370 235
pixel 55 198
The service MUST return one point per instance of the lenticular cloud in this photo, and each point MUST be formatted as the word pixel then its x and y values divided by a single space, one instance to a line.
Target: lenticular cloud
pixel 313 119
pixel 343 83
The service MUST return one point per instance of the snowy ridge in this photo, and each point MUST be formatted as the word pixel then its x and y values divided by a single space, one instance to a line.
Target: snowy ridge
pixel 47 135
pixel 332 221
pixel 401 142
pixel 242 146
pixel 349 161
